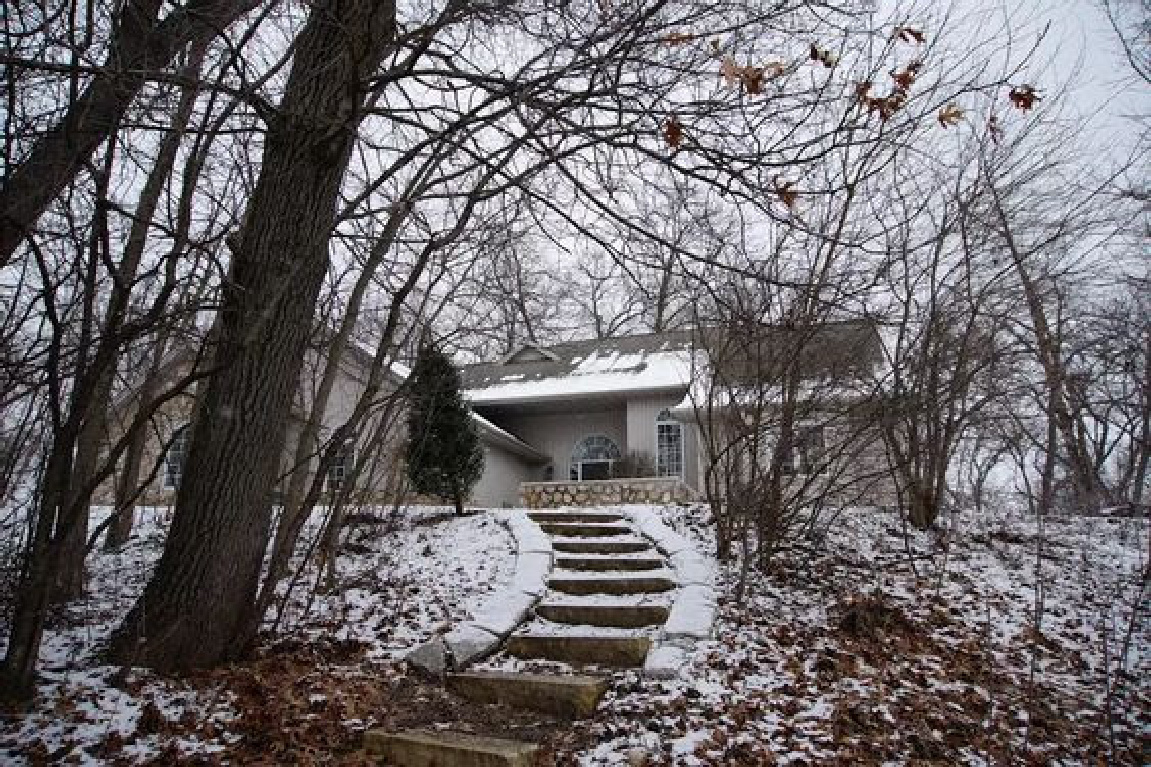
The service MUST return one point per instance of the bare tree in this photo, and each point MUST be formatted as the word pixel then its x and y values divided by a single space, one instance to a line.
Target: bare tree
pixel 276 273
pixel 140 43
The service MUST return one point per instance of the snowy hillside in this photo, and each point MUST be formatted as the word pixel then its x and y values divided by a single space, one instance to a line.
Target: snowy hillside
pixel 874 647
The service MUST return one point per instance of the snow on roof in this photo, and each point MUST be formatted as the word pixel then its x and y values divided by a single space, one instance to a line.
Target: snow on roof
pixel 652 361
pixel 595 373
pixel 839 350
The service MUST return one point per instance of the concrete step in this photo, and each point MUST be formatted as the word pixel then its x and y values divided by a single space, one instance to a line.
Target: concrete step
pixel 572 516
pixel 611 585
pixel 608 564
pixel 423 748
pixel 615 651
pixel 617 616
pixel 585 529
pixel 569 696
pixel 592 546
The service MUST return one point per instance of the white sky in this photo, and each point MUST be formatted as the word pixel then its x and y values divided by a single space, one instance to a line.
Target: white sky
pixel 1116 104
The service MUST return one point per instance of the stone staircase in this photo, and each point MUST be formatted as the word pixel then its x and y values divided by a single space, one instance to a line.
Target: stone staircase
pixel 607 596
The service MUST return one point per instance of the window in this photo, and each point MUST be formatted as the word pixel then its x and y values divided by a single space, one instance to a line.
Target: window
pixel 174 458
pixel 668 446
pixel 805 451
pixel 342 465
pixel 593 458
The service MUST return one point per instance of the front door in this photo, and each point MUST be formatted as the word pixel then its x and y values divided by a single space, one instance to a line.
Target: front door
pixel 595 470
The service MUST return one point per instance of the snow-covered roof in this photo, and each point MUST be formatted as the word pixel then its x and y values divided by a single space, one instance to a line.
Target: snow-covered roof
pixel 493 434
pixel 652 362
pixel 837 351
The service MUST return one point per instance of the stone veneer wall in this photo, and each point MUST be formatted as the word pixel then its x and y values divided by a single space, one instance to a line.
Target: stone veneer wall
pixel 598 492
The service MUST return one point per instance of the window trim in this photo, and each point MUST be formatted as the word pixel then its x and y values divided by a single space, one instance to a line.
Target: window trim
pixel 803 455
pixel 345 462
pixel 664 419
pixel 171 479
pixel 575 465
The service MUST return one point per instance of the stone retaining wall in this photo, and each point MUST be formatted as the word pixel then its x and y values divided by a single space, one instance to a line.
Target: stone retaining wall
pixel 599 492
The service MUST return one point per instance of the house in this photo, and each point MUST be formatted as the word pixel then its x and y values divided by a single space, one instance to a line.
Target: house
pixel 652 418
pixel 592 410
pixel 378 448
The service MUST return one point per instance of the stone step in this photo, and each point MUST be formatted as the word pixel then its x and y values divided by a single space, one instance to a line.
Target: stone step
pixel 616 616
pixel 573 517
pixel 611 585
pixel 568 696
pixel 608 564
pixel 585 530
pixel 423 748
pixel 615 651
pixel 592 546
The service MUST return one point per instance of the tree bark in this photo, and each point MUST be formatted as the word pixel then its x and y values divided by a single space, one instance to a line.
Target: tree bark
pixel 94 432
pixel 205 584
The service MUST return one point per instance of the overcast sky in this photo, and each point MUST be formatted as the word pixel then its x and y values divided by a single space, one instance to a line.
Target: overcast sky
pixel 1117 103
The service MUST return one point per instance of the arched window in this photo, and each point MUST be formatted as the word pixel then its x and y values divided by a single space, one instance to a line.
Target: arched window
pixel 668 445
pixel 593 458
pixel 174 458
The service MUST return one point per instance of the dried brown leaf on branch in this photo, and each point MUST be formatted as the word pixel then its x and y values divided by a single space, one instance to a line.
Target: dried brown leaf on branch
pixel 1024 96
pixel 825 57
pixel 753 80
pixel 863 90
pixel 730 71
pixel 888 105
pixel 678 38
pixel 786 192
pixel 750 77
pixel 950 115
pixel 909 35
pixel 673 132
pixel 906 78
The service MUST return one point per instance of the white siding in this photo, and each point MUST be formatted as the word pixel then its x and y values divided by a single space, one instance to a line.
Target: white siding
pixel 503 473
pixel 556 434
pixel 642 413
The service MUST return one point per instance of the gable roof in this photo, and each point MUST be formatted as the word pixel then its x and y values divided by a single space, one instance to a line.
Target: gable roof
pixel 649 362
pixel 530 353
pixel 826 351
pixel 666 361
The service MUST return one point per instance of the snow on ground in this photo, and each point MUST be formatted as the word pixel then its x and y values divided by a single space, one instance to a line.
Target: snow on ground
pixel 885 648
pixel 400 578
pixel 874 645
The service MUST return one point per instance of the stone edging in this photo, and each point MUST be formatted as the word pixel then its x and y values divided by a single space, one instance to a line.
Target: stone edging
pixel 694 611
pixel 502 612
pixel 604 492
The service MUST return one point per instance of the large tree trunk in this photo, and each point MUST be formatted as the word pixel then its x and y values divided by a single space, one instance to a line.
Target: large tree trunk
pixel 140 45
pixel 205 584
pixel 18 674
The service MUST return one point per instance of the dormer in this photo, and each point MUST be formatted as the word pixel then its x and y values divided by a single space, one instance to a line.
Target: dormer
pixel 529 353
